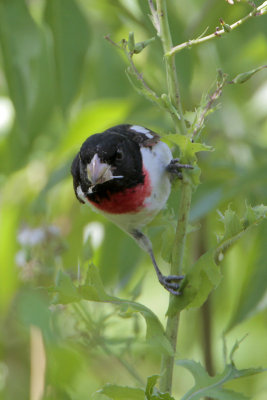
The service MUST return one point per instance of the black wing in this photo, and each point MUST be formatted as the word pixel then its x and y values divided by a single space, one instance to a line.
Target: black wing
pixel 142 136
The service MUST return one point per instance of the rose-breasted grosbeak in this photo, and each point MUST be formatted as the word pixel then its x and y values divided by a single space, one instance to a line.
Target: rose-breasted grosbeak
pixel 124 173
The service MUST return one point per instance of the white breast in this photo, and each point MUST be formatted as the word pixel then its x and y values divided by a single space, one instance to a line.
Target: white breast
pixel 155 161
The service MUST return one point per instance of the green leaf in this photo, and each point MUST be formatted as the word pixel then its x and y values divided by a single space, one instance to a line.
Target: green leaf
pixel 71 39
pixel 200 279
pixel 204 275
pixel 207 386
pixel 253 296
pixel 188 148
pixel 232 224
pixel 235 226
pixel 116 392
pixel 28 66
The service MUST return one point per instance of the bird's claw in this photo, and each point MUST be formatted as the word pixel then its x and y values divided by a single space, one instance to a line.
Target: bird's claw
pixel 175 167
pixel 171 283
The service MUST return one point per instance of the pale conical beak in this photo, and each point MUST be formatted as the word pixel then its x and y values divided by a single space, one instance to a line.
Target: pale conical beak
pixel 99 172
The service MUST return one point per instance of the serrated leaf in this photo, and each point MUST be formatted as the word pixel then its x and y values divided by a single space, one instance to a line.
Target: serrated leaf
pixel 116 392
pixel 232 224
pixel 204 274
pixel 235 226
pixel 201 278
pixel 260 211
pixel 212 386
pixel 188 148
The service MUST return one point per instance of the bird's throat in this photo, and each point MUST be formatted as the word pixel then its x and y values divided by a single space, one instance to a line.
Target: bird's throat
pixel 129 200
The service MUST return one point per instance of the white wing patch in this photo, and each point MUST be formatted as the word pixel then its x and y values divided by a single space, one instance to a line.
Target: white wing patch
pixel 80 193
pixel 141 129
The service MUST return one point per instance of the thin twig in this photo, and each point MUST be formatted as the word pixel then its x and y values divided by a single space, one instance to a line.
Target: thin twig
pixel 213 97
pixel 108 38
pixel 261 10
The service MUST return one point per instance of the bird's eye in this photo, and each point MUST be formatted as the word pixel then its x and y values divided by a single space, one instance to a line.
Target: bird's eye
pixel 119 155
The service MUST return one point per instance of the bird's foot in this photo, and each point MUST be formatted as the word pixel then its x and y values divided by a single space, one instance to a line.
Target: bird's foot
pixel 171 283
pixel 175 167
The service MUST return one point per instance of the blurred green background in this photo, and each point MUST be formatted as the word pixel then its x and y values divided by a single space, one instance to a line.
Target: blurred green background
pixel 60 81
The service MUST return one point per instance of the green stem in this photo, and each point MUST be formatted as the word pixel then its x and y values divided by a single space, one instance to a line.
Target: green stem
pixel 176 269
pixel 172 81
pixel 186 194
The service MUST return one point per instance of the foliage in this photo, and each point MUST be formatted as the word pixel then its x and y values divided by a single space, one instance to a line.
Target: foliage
pixel 86 286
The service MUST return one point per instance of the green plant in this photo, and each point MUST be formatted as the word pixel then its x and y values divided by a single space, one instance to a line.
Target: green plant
pixel 88 332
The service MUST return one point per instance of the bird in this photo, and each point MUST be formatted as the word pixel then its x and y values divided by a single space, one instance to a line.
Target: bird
pixel 125 173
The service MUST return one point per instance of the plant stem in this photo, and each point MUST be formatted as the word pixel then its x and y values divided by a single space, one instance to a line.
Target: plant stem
pixel 162 26
pixel 172 81
pixel 176 269
pixel 261 10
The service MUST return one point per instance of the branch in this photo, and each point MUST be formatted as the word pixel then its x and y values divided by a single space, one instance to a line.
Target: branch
pixel 261 10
